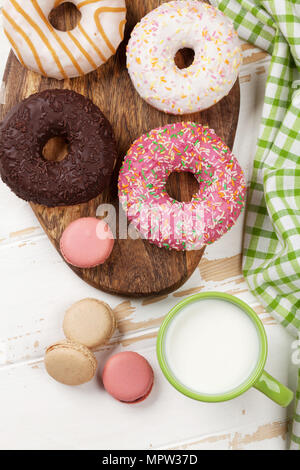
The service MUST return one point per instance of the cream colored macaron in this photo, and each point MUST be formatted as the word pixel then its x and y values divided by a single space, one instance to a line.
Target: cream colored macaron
pixel 70 363
pixel 90 322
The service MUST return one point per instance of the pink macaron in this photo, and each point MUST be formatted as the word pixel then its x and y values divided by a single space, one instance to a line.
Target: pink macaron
pixel 128 377
pixel 86 242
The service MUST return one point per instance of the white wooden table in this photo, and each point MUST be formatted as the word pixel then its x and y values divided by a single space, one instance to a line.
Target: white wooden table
pixel 35 289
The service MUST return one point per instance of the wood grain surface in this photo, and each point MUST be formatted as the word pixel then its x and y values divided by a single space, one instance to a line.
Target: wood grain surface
pixel 136 267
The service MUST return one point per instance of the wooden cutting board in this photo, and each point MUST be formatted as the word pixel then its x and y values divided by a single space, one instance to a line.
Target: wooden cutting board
pixel 136 267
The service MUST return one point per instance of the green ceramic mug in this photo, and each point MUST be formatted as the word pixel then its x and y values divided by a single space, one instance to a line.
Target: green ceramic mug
pixel 259 378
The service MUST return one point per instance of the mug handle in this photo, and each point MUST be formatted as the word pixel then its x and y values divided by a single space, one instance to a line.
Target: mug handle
pixel 274 389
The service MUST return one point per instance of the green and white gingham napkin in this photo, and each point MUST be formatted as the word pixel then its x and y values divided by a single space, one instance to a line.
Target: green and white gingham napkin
pixel 271 263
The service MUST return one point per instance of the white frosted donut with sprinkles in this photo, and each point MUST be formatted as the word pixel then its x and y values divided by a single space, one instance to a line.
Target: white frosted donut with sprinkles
pixel 181 225
pixel 161 34
pixel 64 54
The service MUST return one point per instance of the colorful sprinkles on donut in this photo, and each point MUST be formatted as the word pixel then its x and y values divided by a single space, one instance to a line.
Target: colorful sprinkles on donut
pixel 161 34
pixel 161 219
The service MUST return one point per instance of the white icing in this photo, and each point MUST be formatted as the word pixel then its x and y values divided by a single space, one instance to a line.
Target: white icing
pixel 79 51
pixel 173 26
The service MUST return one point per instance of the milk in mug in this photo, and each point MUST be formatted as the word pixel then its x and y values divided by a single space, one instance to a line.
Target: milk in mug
pixel 212 346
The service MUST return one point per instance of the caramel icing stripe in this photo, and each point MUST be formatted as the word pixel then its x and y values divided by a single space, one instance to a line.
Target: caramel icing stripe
pixel 43 37
pixel 19 30
pixel 16 49
pixel 99 26
pixel 87 37
pixel 82 50
pixel 87 2
pixel 58 2
pixel 122 29
pixel 84 33
pixel 56 36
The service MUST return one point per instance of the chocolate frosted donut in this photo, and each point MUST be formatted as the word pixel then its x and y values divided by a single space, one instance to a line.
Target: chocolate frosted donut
pixel 84 172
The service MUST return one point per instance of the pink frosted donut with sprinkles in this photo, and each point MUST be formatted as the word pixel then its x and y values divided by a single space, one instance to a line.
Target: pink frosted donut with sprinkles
pixel 161 34
pixel 161 219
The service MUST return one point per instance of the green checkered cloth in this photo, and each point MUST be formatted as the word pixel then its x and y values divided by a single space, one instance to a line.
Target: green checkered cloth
pixel 271 263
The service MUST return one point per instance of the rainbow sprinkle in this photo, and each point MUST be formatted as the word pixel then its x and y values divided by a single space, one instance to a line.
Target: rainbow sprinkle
pixel 164 221
pixel 173 26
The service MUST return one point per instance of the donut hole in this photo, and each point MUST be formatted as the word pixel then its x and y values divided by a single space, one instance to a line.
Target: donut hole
pixel 182 186
pixel 65 17
pixel 56 149
pixel 184 58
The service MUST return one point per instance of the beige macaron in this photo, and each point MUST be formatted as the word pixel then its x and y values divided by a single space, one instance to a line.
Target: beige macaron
pixel 70 363
pixel 90 322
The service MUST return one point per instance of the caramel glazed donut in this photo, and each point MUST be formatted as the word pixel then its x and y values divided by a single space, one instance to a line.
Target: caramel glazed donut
pixel 64 54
